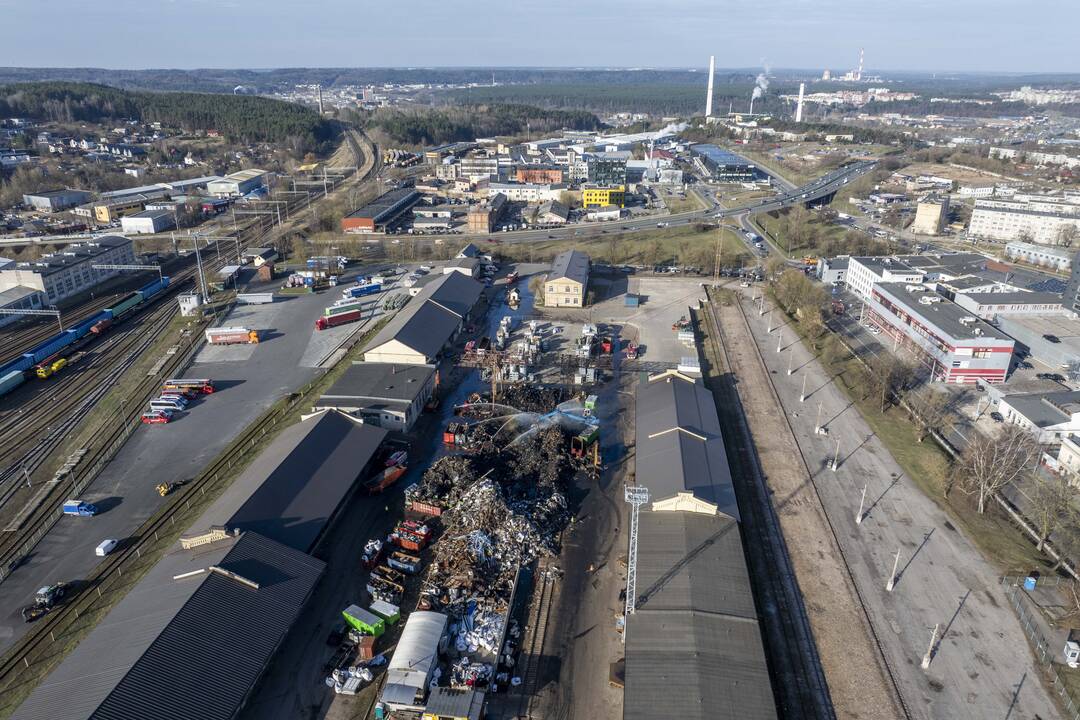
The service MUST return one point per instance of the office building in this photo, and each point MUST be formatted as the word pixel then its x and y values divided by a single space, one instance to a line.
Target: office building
pixel 722 165
pixel 483 216
pixel 1047 256
pixel 526 192
pixel 70 271
pixel 954 345
pixel 238 183
pixel 593 196
pixel 608 168
pixel 541 174
pixel 567 283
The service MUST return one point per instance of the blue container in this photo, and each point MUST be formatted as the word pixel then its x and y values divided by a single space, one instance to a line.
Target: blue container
pixel 84 327
pixel 51 346
pixel 1029 583
pixel 151 289
pixel 631 300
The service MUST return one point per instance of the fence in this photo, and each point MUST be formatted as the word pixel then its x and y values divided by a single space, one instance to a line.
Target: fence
pixel 1044 651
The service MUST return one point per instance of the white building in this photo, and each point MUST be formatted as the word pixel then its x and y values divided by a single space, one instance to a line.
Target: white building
pixel 1048 416
pixel 147 222
pixel 1056 258
pixel 526 192
pixel 865 272
pixel 238 183
pixel 71 270
pixel 1042 219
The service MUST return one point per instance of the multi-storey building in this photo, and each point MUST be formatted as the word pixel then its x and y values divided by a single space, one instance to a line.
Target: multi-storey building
pixel 70 271
pixel 568 281
pixel 954 345
pixel 593 196
pixel 1041 220
pixel 608 168
pixel 931 215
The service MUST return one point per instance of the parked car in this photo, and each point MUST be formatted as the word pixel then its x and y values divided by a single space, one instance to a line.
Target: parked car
pixel 106 547
pixel 1051 338
pixel 996 416
pixel 155 418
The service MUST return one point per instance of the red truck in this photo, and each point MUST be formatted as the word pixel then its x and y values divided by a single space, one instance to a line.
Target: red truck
pixel 340 319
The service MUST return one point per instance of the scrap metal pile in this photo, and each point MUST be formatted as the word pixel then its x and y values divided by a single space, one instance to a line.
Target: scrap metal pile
pixel 503 510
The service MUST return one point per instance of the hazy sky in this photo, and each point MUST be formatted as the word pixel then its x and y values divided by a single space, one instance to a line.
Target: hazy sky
pixel 968 35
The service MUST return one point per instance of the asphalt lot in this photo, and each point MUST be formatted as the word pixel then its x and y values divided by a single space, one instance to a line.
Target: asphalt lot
pixel 124 490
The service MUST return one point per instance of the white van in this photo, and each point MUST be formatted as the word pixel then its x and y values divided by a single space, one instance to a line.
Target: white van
pixel 165 404
pixel 106 547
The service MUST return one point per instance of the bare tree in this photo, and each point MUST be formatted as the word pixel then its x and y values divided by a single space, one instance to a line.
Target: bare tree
pixel 1048 504
pixel 989 464
pixel 889 377
pixel 929 410
pixel 1067 235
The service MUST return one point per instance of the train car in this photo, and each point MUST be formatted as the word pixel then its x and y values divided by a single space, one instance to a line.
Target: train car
pixel 151 289
pixel 11 380
pixel 51 346
pixel 84 328
pixel 125 306
pixel 101 325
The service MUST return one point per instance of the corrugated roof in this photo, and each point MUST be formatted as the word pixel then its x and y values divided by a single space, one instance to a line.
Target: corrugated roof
pixel 693 647
pixel 428 322
pixel 380 381
pixel 417 650
pixel 572 264
pixel 680 447
pixel 308 469
pixel 189 648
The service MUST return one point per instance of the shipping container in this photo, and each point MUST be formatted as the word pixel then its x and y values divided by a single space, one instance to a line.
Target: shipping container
pixel 404 562
pixel 388 612
pixel 344 306
pixel 362 290
pixel 51 346
pixel 631 300
pixel 425 508
pixel 364 621
pixel 255 298
pixel 153 288
pixel 232 336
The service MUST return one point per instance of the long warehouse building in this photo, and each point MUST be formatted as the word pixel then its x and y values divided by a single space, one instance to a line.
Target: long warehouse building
pixel 693 646
pixel 193 637
pixel 380 212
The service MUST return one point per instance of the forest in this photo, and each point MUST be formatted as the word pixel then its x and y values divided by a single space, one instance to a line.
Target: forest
pixel 242 118
pixel 467 122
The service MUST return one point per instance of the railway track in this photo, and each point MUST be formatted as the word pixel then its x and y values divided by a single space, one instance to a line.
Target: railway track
pixel 778 576
pixel 18 339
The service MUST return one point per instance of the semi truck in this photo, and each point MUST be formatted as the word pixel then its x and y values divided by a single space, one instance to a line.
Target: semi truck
pixel 201 385
pixel 80 508
pixel 232 336
pixel 344 318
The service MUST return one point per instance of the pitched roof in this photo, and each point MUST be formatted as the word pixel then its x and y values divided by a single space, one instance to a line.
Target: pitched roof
pixel 469 251
pixel 427 323
pixel 308 469
pixel 572 264
pixel 181 648
pixel 680 447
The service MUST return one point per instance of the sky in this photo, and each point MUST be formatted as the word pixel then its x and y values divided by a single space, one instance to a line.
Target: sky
pixel 931 35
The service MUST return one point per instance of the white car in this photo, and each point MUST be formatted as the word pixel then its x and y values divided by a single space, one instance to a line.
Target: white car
pixel 873 330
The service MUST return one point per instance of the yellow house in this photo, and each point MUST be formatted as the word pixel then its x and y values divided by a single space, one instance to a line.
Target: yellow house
pixel 601 196
pixel 107 212
pixel 568 281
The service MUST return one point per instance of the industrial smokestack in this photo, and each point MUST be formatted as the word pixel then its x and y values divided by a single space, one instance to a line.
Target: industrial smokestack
pixel 708 98
pixel 320 100
pixel 752 103
pixel 858 73
pixel 798 108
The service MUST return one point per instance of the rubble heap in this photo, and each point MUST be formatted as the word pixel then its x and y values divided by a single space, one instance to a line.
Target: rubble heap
pixel 503 510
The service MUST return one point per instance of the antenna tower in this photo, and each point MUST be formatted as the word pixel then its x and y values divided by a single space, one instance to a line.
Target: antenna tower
pixel 636 495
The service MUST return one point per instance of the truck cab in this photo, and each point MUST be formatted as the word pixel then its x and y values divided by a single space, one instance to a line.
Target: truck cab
pixel 80 508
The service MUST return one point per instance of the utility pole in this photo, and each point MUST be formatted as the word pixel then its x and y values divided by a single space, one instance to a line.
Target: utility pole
pixel 892 578
pixel 802 395
pixel 779 341
pixel 862 503
pixel 817 423
pixel 929 651
pixel 836 457
pixel 769 329
pixel 636 495
pixel 790 362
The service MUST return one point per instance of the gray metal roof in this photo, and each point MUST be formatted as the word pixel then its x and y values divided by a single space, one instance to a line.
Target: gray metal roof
pixel 572 264
pixel 680 447
pixel 470 251
pixel 455 703
pixel 1015 298
pixel 428 322
pixel 391 382
pixel 944 316
pixel 1046 409
pixel 693 646
pixel 174 649
pixel 306 473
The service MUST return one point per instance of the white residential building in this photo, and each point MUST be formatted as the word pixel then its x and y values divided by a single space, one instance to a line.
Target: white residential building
pixel 1041 219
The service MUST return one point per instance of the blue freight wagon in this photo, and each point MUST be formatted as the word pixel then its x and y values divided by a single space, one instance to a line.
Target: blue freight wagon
pixel 51 346
pixel 11 380
pixel 151 289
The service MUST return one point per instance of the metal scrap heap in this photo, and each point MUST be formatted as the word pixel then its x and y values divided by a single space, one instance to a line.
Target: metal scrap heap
pixel 503 510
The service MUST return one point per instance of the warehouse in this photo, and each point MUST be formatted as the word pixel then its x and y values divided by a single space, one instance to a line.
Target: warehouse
pixel 238 183
pixel 417 651
pixel 693 645
pixel 148 222
pixel 194 635
pixel 382 394
pixel 55 200
pixel 420 331
pixel 70 271
pixel 19 298
pixel 723 165
pixel 380 212
pixel 567 283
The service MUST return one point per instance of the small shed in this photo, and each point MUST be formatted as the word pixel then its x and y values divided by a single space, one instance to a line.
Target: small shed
pixel 364 620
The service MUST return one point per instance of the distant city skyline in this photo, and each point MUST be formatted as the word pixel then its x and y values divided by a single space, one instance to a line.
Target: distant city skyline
pixel 927 35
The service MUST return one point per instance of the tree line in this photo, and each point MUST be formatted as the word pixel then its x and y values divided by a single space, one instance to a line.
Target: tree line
pixel 242 118
pixel 467 122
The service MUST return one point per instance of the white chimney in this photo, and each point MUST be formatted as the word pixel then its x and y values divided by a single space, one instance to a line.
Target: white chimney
pixel 708 98
pixel 798 108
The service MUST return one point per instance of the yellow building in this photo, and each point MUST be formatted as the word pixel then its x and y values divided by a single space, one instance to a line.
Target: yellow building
pixel 567 283
pixel 107 212
pixel 601 196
